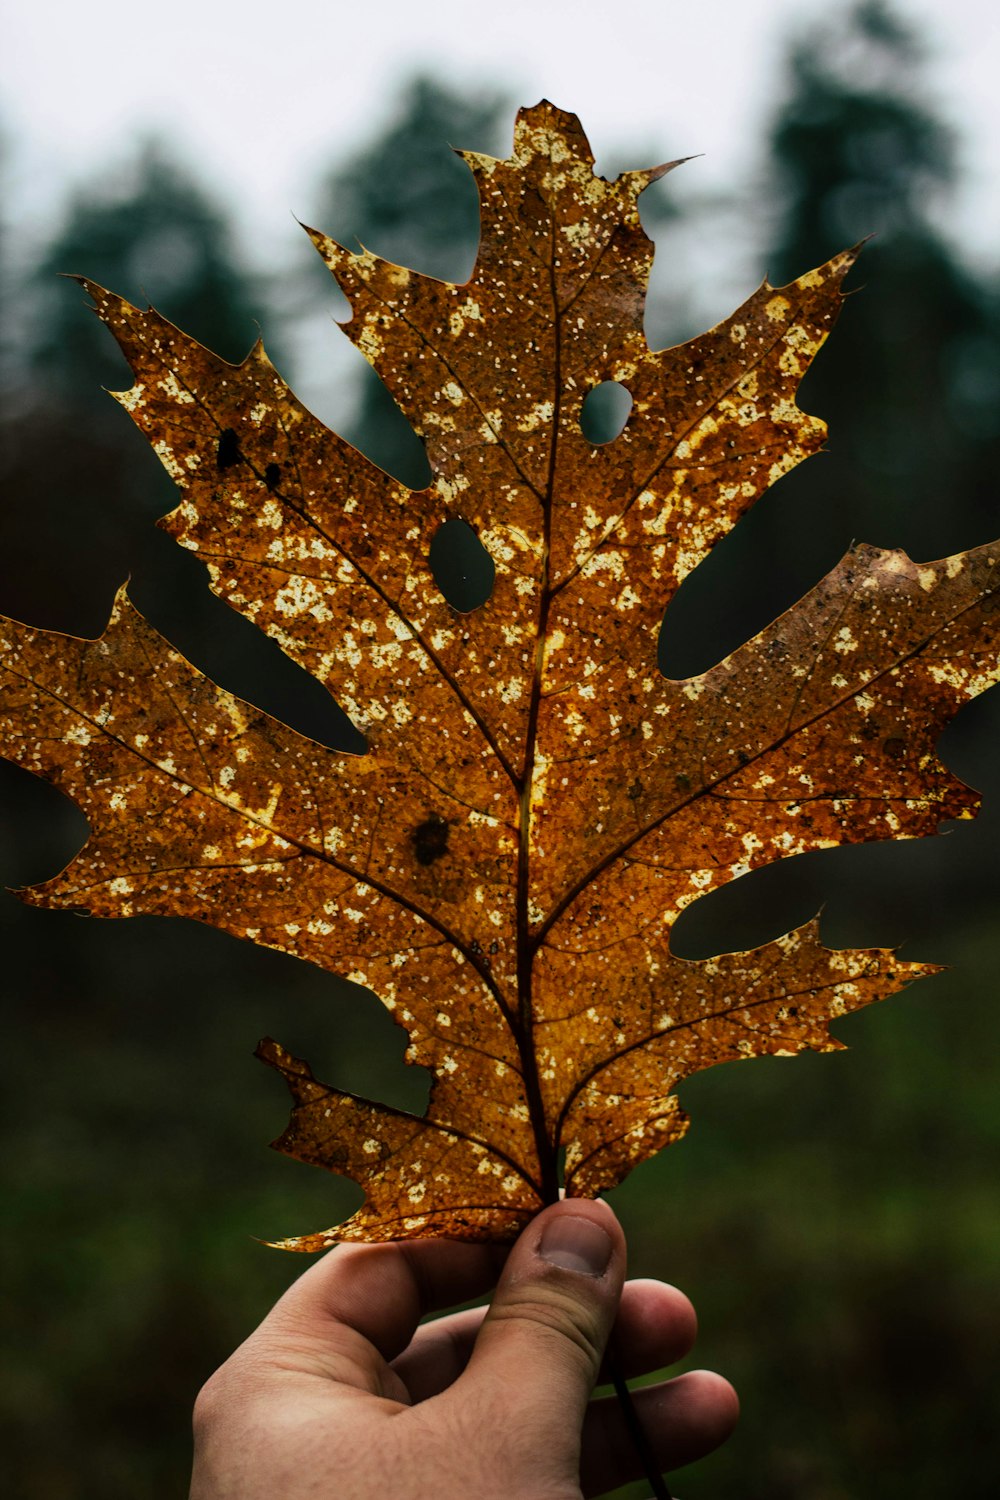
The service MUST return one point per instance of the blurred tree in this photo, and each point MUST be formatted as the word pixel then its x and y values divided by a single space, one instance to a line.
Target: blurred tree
pixel 138 1169
pixel 83 484
pixel 83 487
pixel 6 278
pixel 856 148
pixel 153 234
pixel 409 198
pixel 117 1192
pixel 911 384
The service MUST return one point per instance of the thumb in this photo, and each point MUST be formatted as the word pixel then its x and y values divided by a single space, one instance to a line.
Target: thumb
pixel 540 1347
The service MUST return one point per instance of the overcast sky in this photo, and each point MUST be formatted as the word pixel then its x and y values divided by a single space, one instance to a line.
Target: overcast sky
pixel 260 96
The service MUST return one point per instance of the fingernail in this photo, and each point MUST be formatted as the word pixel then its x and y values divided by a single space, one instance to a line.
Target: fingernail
pixel 576 1244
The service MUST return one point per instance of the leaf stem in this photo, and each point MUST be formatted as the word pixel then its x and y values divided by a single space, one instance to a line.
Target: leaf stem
pixel 637 1432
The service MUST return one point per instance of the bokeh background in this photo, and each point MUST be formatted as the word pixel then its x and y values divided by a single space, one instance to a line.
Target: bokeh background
pixel 834 1217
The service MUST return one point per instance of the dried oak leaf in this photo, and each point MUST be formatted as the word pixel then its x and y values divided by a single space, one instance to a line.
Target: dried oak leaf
pixel 538 804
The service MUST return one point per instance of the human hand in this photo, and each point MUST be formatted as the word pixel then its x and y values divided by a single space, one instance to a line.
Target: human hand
pixel 340 1394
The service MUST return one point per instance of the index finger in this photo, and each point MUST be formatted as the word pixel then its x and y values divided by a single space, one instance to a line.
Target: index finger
pixel 655 1326
pixel 382 1291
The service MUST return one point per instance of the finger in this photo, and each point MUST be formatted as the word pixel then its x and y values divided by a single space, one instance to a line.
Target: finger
pixel 655 1326
pixel 360 1304
pixel 683 1420
pixel 540 1346
pixel 439 1353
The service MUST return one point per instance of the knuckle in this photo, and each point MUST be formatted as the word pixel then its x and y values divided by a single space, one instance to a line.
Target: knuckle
pixel 208 1406
pixel 229 1391
pixel 574 1328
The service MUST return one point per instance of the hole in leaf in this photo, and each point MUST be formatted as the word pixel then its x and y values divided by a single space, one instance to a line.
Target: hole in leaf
pixel 463 569
pixel 755 909
pixel 380 430
pixel 40 829
pixel 170 588
pixel 604 412
pixel 747 580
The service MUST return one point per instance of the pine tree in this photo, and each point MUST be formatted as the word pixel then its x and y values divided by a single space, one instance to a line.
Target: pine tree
pixel 82 487
pixel 411 199
pixel 910 386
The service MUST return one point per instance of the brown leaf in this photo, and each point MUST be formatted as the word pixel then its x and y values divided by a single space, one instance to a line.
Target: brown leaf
pixel 538 804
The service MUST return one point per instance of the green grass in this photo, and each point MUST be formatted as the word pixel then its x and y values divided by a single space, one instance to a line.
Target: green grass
pixel 833 1217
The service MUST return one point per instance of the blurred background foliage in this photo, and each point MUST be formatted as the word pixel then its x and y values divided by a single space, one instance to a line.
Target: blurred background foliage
pixel 835 1217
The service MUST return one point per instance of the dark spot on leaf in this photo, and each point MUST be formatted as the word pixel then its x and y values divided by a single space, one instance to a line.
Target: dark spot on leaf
pixel 229 452
pixel 894 747
pixel 682 782
pixel 272 476
pixel 635 790
pixel 430 840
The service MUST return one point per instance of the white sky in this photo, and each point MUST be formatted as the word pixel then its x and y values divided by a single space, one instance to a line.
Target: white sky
pixel 259 97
